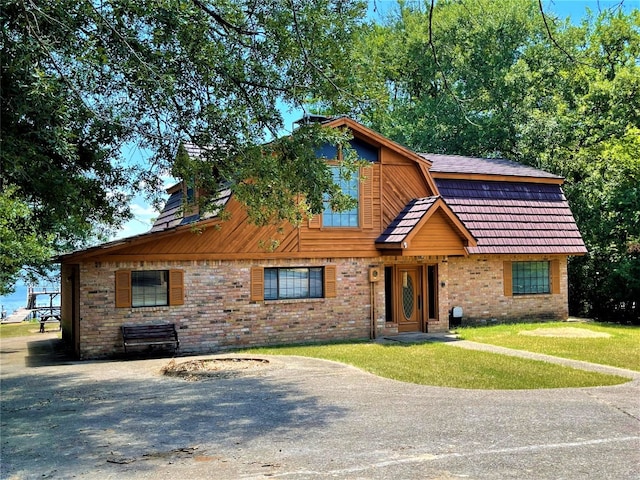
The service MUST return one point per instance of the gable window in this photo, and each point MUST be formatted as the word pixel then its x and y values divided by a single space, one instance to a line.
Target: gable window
pixel 285 283
pixel 348 218
pixel 149 288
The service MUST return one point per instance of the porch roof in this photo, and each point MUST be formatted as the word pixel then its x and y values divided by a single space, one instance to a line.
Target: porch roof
pixel 416 214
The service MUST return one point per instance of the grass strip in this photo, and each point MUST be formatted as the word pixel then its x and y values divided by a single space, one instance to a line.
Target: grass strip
pixel 8 330
pixel 621 348
pixel 441 365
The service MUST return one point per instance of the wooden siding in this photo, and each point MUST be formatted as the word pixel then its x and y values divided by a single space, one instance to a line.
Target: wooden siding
pixel 400 184
pixel 236 238
pixel 437 237
pixel 318 241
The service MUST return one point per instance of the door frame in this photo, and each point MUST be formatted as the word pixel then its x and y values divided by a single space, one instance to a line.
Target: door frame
pixel 427 294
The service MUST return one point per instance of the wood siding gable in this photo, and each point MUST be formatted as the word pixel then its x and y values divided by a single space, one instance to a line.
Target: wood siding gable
pixel 426 226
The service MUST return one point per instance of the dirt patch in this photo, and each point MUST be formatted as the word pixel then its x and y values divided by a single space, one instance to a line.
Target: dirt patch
pixel 194 370
pixel 566 332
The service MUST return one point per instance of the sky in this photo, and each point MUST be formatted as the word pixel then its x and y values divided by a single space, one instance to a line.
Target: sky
pixel 144 213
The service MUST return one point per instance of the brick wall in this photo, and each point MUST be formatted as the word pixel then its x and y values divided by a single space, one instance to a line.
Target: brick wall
pixel 218 313
pixel 476 284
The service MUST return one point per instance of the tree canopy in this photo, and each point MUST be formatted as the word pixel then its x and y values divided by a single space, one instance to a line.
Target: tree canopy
pixel 508 79
pixel 82 79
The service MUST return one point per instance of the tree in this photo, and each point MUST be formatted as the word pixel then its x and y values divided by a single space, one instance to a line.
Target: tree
pixel 20 243
pixel 508 79
pixel 80 79
pixel 451 82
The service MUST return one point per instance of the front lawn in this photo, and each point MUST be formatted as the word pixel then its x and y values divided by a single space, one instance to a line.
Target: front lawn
pixel 441 365
pixel 620 347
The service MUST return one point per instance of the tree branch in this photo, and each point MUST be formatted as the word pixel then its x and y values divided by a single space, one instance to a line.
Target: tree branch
pixel 440 69
pixel 550 35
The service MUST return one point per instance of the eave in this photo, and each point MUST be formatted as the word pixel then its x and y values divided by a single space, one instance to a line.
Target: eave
pixel 111 248
pixel 495 178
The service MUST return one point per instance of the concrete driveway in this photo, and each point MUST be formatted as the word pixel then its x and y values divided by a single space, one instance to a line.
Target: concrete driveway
pixel 297 418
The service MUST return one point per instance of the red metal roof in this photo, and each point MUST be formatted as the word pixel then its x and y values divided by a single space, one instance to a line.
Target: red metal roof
pixel 171 215
pixel 513 218
pixel 406 220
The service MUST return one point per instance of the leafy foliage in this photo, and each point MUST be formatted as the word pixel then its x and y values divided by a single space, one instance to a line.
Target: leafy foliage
pixel 20 241
pixel 507 79
pixel 82 79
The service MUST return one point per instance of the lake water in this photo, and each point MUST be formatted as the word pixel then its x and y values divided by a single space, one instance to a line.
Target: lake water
pixel 18 299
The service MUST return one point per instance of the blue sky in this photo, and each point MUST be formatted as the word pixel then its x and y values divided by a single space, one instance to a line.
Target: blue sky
pixel 144 213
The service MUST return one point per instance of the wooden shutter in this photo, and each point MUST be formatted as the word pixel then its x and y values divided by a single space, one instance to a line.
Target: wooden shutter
pixel 257 283
pixel 330 287
pixel 315 221
pixel 123 288
pixel 176 287
pixel 507 279
pixel 366 197
pixel 554 273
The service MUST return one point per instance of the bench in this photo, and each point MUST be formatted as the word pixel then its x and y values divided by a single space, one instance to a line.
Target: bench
pixel 149 335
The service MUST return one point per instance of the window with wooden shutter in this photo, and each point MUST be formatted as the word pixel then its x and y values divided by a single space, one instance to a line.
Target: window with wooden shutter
pixel 330 283
pixel 507 279
pixel 123 288
pixel 529 278
pixel 366 196
pixel 176 287
pixel 257 283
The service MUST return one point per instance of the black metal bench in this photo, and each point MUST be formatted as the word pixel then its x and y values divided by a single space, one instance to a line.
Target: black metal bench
pixel 149 335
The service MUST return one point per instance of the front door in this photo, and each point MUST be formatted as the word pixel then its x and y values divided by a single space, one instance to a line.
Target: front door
pixel 409 299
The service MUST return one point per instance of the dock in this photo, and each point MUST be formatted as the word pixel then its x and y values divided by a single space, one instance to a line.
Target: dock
pixel 20 315
pixel 33 310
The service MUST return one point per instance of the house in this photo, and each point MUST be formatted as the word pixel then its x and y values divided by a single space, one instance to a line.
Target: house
pixel 429 233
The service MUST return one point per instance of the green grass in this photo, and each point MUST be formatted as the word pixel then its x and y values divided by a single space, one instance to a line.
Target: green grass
pixel 8 330
pixel 620 349
pixel 446 366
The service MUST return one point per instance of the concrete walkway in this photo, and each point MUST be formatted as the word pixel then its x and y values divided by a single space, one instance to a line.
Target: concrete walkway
pixel 298 418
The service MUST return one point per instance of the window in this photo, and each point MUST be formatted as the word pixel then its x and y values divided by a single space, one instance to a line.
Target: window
pixel 298 282
pixel 530 278
pixel 284 283
pixel 348 218
pixel 149 288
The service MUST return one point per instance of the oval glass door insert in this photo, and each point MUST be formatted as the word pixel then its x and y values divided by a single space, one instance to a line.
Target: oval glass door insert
pixel 408 298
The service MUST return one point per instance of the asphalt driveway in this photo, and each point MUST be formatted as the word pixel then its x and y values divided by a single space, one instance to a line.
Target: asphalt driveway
pixel 297 418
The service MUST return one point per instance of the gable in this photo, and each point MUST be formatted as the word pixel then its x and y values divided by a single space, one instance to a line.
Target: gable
pixel 449 205
pixel 438 236
pixel 426 226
